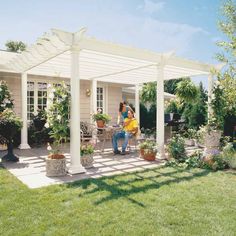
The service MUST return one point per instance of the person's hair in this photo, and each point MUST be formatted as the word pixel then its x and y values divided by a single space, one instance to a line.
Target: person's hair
pixel 121 107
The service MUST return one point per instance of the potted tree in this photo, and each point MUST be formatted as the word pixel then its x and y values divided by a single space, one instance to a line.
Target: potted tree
pixel 58 121
pixel 9 125
pixel 86 155
pixel 101 119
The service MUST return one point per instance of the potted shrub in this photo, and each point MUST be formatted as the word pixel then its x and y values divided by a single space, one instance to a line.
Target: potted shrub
pixel 101 119
pixel 9 125
pixel 58 121
pixel 148 150
pixel 86 155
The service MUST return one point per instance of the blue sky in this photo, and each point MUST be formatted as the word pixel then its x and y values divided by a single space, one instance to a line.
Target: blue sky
pixel 187 26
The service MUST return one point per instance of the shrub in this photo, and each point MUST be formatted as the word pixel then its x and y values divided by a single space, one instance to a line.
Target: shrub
pixel 176 148
pixel 5 97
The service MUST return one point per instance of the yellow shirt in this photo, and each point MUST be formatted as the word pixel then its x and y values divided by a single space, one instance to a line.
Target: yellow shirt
pixel 132 125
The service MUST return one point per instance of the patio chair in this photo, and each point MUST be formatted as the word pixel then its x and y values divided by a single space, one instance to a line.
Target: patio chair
pixel 87 131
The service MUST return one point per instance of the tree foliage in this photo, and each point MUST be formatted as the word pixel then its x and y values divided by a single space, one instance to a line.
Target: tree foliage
pixel 15 46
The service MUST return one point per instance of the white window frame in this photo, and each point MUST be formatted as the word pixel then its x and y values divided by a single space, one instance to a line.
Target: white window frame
pixel 104 108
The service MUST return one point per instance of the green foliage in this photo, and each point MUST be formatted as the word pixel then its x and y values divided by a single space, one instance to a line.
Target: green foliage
pixel 58 113
pixel 227 26
pixel 9 124
pixel 171 85
pixel 86 149
pixel 172 106
pixel 176 148
pixel 148 93
pixel 5 96
pixel 229 155
pixel 101 116
pixel 15 46
pixel 190 134
pixel 186 90
pixel 148 146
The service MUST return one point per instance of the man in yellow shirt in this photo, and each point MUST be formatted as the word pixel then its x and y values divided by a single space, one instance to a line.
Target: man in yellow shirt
pixel 130 129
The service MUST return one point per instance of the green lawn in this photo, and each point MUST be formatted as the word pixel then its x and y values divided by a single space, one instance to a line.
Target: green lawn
pixel 162 201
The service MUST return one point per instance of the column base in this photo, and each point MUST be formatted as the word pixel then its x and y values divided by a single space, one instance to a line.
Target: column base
pixel 79 169
pixel 24 146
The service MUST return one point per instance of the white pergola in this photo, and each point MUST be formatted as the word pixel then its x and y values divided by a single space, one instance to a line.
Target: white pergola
pixel 78 56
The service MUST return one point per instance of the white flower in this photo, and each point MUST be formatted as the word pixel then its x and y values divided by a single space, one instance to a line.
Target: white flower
pixel 51 95
pixel 49 148
pixel 35 113
pixel 46 125
pixel 49 85
pixel 59 117
pixel 0 89
pixel 217 82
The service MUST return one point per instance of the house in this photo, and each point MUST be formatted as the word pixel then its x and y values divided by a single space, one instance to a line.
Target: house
pixel 95 65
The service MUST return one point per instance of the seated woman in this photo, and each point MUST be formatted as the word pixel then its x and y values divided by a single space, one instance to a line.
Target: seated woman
pixel 130 128
pixel 123 112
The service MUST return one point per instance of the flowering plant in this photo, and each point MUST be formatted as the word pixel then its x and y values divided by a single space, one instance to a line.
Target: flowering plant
pixel 5 97
pixel 86 149
pixel 101 116
pixel 58 114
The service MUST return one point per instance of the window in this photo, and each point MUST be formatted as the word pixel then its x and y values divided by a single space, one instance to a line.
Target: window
pixel 30 100
pixel 42 96
pixel 100 99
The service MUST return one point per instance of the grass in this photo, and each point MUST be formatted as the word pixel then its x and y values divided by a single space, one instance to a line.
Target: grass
pixel 162 201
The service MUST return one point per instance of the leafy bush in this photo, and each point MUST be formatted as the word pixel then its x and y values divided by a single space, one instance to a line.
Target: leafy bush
pixel 86 149
pixel 101 116
pixel 176 148
pixel 229 155
pixel 5 97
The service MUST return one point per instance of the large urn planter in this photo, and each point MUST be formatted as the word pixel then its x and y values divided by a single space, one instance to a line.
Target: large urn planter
pixel 55 165
pixel 87 161
pixel 212 142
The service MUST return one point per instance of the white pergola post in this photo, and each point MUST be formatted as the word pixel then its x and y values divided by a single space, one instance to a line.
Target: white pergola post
pixel 160 130
pixel 94 95
pixel 24 131
pixel 137 111
pixel 210 88
pixel 75 165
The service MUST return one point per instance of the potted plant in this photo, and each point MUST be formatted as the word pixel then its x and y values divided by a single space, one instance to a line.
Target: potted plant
pixel 101 119
pixel 58 121
pixel 148 150
pixel 86 155
pixel 9 125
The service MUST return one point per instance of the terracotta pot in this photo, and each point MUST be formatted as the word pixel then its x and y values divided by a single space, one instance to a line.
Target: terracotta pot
pixel 56 156
pixel 100 123
pixel 149 156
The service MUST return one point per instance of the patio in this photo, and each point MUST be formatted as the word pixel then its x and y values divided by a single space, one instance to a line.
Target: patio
pixel 31 168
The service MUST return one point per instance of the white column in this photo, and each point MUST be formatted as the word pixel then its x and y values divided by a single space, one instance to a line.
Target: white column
pixel 94 93
pixel 210 88
pixel 137 111
pixel 75 165
pixel 24 131
pixel 160 130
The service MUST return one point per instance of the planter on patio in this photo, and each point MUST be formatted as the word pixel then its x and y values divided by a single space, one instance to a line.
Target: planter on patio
pixel 87 161
pixel 212 142
pixel 55 165
pixel 149 155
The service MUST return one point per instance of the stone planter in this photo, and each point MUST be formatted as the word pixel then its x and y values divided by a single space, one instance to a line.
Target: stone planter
pixel 212 142
pixel 87 161
pixel 55 167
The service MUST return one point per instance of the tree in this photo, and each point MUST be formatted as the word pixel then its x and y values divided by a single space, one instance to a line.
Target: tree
pixel 224 99
pixel 15 46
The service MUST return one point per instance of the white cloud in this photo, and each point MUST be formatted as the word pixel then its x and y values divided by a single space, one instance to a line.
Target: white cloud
pixel 151 7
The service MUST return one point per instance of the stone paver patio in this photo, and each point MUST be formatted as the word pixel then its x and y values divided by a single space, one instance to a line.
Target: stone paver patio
pixel 31 168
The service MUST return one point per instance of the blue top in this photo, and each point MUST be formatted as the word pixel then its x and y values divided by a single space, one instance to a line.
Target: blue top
pixel 125 113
